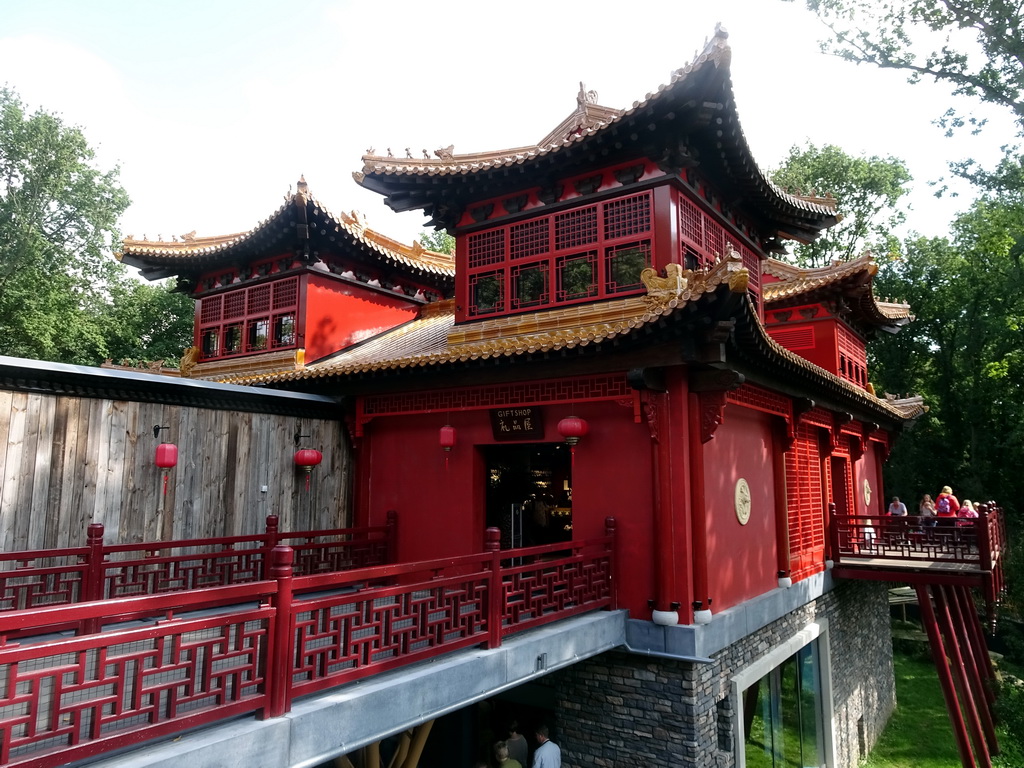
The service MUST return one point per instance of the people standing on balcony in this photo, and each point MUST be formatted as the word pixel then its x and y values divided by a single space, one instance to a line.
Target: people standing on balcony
pixel 946 506
pixel 548 755
pixel 926 509
pixel 966 515
pixel 502 757
pixel 897 508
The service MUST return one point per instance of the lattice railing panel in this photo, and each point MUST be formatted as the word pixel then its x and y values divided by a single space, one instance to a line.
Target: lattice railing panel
pixel 102 688
pixel 533 592
pixel 159 575
pixel 339 556
pixel 951 541
pixel 349 636
pixel 41 586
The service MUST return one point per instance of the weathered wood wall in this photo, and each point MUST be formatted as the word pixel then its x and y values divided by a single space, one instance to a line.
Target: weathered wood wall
pixel 67 461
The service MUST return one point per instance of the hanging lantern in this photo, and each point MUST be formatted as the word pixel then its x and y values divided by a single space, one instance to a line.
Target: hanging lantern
pixel 446 439
pixel 306 459
pixel 572 428
pixel 166 459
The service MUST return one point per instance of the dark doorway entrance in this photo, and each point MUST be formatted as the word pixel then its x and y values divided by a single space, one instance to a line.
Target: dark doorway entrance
pixel 529 493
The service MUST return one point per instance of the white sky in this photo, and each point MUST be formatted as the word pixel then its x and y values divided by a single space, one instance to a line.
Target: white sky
pixel 213 108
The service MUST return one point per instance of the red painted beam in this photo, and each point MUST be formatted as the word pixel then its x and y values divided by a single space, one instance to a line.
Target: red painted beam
pixel 975 676
pixel 931 627
pixel 961 677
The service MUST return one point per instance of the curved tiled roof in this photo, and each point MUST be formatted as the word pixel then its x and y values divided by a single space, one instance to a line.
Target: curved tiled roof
pixel 432 341
pixel 716 55
pixel 191 251
pixel 852 279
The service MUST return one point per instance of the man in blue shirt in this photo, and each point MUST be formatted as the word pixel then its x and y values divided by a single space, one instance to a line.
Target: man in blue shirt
pixel 548 755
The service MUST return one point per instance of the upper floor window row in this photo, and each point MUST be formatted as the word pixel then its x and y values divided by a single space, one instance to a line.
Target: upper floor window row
pixel 249 320
pixel 586 253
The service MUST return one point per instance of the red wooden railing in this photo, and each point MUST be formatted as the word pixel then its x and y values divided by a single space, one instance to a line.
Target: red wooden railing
pixel 974 546
pixel 99 571
pixel 966 541
pixel 166 662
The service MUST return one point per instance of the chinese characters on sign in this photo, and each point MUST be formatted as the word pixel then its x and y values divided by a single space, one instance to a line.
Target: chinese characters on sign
pixel 517 423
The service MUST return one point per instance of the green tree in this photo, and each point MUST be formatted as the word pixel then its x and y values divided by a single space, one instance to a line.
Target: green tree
pixel 438 241
pixel 964 353
pixel 867 190
pixel 62 296
pixel 930 38
pixel 58 221
pixel 145 323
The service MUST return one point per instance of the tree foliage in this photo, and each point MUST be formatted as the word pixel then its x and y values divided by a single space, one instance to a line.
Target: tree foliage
pixel 438 241
pixel 964 353
pixel 867 190
pixel 62 296
pixel 886 33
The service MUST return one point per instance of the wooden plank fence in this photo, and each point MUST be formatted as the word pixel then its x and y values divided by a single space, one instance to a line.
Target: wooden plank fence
pixel 68 461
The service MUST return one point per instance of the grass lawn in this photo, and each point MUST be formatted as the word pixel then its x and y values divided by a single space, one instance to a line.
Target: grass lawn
pixel 919 734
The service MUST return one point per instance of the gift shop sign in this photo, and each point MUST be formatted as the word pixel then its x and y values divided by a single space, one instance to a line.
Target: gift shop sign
pixel 517 423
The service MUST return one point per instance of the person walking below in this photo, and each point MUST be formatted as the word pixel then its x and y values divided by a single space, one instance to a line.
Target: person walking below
pixel 516 743
pixel 501 755
pixel 548 755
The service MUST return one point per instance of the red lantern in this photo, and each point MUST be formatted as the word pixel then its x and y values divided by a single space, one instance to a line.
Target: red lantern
pixel 572 428
pixel 166 458
pixel 306 459
pixel 446 438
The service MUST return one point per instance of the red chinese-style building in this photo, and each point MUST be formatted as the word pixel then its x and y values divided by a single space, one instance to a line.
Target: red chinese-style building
pixel 613 339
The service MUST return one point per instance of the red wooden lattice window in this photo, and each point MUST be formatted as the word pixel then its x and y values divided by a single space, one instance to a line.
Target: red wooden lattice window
pixel 249 320
pixel 806 478
pixel 703 240
pixel 591 252
pixel 853 359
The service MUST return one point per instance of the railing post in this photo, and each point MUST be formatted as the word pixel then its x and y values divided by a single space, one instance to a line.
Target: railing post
pixel 273 538
pixel 492 544
pixel 279 664
pixel 93 577
pixel 391 535
pixel 609 531
pixel 834 531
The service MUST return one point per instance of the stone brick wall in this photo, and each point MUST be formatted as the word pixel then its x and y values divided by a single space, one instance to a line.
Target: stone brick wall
pixel 621 710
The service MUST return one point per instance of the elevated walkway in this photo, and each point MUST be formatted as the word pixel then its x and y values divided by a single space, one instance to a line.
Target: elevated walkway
pixel 322 727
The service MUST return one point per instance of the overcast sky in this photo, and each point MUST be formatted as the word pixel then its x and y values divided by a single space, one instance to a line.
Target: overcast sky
pixel 213 108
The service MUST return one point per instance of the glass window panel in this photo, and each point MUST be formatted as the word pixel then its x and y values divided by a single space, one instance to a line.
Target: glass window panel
pixel 487 293
pixel 577 276
pixel 759 747
pixel 531 285
pixel 258 330
pixel 211 342
pixel 782 715
pixel 624 265
pixel 284 330
pixel 233 339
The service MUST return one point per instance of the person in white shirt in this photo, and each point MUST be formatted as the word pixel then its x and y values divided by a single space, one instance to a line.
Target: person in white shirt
pixel 897 508
pixel 548 755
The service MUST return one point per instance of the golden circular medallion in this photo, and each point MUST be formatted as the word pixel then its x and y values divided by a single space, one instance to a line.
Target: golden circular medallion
pixel 741 499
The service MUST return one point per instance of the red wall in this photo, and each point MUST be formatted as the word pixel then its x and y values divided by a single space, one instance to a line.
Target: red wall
pixel 339 314
pixel 866 468
pixel 741 558
pixel 442 508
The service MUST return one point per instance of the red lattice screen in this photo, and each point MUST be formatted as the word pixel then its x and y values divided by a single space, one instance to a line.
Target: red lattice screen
pixel 805 503
pixel 853 358
pixel 590 252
